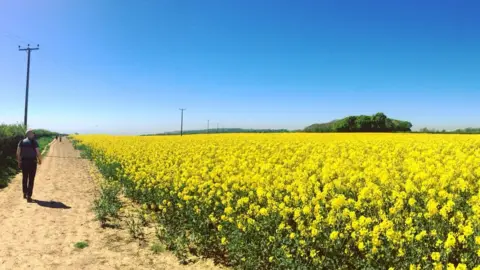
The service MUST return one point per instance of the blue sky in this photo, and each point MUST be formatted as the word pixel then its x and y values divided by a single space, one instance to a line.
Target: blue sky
pixel 125 67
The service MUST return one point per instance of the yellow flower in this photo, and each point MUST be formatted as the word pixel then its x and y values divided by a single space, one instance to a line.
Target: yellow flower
pixel 263 212
pixel 420 236
pixel 435 256
pixel 375 189
pixel 477 240
pixel 467 230
pixel 450 242
pixel 334 235
pixel 408 221
pixel 338 202
pixel 461 266
pixel 228 210
pixel 432 207
pixel 306 210
pixel 412 201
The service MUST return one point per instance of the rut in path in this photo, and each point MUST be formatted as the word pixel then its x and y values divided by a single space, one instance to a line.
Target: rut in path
pixel 41 235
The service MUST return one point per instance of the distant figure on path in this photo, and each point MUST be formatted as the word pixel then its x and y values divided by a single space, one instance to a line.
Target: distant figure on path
pixel 28 154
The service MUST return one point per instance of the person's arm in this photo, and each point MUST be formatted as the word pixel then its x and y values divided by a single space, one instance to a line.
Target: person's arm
pixel 39 155
pixel 19 156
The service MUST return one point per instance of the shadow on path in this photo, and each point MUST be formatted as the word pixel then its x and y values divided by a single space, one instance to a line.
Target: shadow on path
pixel 52 204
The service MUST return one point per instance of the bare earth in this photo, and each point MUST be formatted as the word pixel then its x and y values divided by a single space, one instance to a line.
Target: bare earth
pixel 41 235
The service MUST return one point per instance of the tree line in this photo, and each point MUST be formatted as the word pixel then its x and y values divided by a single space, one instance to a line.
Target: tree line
pixel 378 122
pixel 457 131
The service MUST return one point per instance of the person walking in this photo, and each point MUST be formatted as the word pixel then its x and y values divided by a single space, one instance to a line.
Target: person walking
pixel 28 154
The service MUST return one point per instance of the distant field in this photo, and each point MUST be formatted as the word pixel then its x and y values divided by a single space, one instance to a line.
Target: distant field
pixel 307 201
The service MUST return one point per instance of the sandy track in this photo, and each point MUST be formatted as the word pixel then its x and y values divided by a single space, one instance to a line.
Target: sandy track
pixel 41 235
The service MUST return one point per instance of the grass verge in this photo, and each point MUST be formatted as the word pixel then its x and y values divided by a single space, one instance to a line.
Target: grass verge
pixel 107 204
pixel 44 142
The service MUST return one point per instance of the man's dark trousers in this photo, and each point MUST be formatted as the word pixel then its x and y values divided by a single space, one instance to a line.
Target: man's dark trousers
pixel 29 169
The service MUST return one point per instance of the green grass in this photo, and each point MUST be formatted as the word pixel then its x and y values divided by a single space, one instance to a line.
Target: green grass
pixel 10 135
pixel 158 248
pixel 81 245
pixel 44 141
pixel 6 175
pixel 107 204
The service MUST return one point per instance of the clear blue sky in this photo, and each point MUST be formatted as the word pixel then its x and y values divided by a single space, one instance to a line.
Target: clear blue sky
pixel 127 66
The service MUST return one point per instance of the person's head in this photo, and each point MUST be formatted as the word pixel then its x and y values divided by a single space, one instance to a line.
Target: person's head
pixel 30 134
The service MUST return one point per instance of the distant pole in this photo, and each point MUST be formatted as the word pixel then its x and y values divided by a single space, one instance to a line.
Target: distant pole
pixel 208 126
pixel 28 50
pixel 217 127
pixel 181 125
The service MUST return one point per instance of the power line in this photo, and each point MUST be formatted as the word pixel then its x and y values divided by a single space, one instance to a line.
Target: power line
pixel 28 50
pixel 181 125
pixel 16 38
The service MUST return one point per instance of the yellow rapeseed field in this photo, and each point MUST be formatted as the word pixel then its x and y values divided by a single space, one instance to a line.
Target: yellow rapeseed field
pixel 308 201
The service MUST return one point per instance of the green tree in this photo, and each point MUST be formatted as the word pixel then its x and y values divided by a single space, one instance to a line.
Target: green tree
pixel 379 121
pixel 364 123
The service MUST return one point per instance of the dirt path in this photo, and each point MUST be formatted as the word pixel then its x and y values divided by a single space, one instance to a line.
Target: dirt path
pixel 41 235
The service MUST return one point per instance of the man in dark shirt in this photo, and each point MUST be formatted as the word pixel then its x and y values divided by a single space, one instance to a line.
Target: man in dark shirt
pixel 28 154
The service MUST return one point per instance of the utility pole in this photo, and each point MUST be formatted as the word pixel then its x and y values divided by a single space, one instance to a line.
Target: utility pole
pixel 208 126
pixel 181 125
pixel 217 127
pixel 28 49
